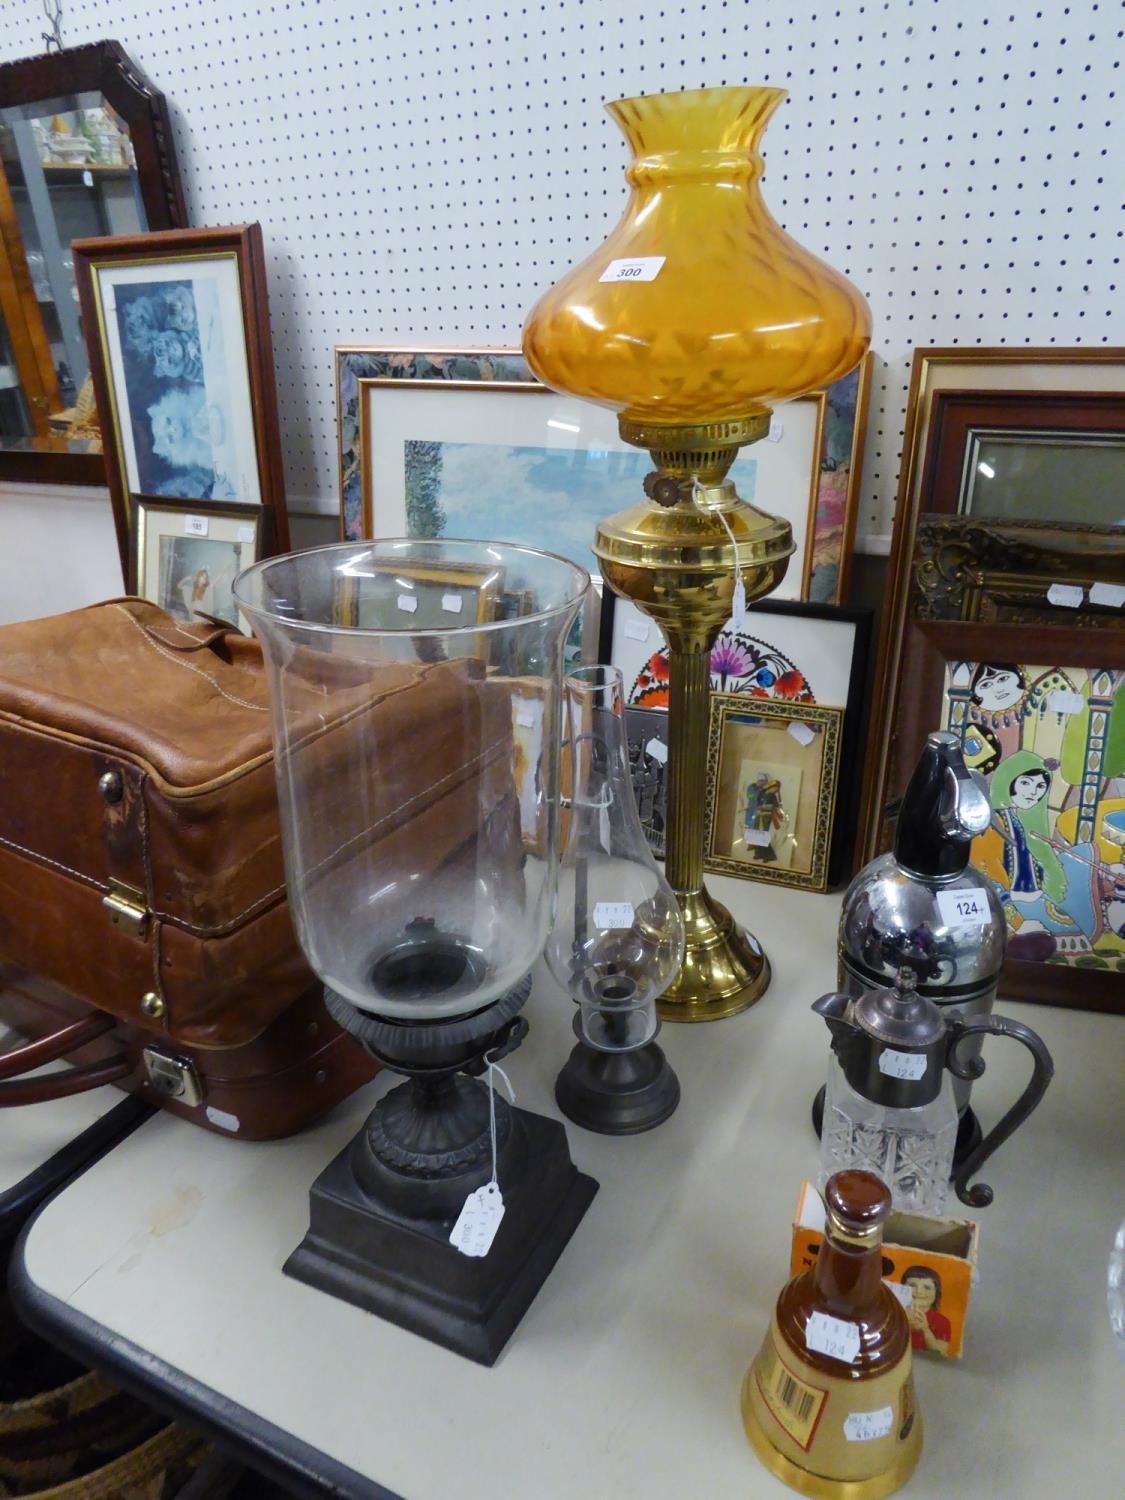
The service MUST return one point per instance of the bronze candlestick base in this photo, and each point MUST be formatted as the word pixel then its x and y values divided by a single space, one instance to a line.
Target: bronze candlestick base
pixel 673 556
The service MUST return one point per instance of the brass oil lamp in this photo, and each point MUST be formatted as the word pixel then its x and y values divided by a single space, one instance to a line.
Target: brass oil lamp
pixel 694 317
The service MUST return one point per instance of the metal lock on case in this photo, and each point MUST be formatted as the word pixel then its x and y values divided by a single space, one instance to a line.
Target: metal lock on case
pixel 126 907
pixel 174 1077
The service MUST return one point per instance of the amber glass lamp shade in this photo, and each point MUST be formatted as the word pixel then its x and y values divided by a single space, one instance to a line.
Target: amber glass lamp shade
pixel 737 315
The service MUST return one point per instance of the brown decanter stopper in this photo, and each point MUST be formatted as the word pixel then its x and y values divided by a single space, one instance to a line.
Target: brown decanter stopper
pixel 828 1403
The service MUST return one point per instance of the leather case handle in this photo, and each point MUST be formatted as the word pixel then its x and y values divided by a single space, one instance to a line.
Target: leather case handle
pixel 50 1049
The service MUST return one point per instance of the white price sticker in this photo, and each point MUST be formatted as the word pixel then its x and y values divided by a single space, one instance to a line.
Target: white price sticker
pixel 777 429
pixel 478 1221
pixel 832 1336
pixel 1063 702
pixel 525 718
pixel 902 1294
pixel 963 908
pixel 636 630
pixel 1110 594
pixel 246 535
pixel 613 914
pixel 87 178
pixel 195 525
pixel 1066 595
pixel 866 1426
pixel 906 1065
pixel 408 603
pixel 451 603
pixel 804 734
pixel 759 838
pixel 640 268
pixel 658 750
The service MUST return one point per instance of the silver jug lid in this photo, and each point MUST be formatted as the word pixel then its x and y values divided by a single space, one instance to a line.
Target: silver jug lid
pixel 893 919
pixel 900 1016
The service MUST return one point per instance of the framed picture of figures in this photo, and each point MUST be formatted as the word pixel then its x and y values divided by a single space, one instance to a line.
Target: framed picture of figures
pixel 177 328
pixel 186 554
pixel 1041 714
pixel 467 443
pixel 785 652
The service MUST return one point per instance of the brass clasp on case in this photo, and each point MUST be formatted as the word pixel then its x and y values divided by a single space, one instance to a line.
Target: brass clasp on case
pixel 126 907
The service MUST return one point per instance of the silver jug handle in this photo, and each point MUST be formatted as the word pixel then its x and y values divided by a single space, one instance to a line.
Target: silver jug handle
pixel 980 1196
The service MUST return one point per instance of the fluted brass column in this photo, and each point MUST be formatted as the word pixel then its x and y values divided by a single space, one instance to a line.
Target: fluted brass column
pixel 673 557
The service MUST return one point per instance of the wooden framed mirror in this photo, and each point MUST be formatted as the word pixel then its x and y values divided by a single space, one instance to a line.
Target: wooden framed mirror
pixel 85 149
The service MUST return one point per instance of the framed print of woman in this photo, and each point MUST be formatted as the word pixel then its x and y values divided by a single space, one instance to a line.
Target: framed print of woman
pixel 1051 740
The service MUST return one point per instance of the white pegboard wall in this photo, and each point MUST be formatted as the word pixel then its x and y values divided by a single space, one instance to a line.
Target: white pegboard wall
pixel 423 169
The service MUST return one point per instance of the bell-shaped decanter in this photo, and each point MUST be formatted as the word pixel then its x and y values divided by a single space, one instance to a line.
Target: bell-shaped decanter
pixel 619 936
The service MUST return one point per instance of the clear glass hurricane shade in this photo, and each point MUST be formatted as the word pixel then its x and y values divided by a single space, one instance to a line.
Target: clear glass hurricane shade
pixel 416 691
pixel 618 937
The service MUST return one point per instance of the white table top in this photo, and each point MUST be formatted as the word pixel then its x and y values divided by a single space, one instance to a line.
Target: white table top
pixel 30 1134
pixel 623 1379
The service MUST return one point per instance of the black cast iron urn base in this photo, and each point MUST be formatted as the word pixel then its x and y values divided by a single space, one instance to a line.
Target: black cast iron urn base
pixel 616 1093
pixel 381 1213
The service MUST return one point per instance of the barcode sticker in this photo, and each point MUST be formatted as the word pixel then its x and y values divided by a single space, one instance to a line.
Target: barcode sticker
pixel 640 268
pixel 613 914
pixel 963 908
pixel 793 1403
pixel 451 603
pixel 478 1221
pixel 246 535
pixel 903 1294
pixel 825 1334
pixel 1066 595
pixel 776 431
pixel 906 1065
pixel 758 838
pixel 1110 594
pixel 865 1426
pixel 195 525
pixel 804 734
pixel 1063 702
pixel 636 630
pixel 408 603
pixel 658 750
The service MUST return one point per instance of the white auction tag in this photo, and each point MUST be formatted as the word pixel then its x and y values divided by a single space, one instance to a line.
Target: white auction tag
pixel 478 1221
pixel 407 602
pixel 246 535
pixel 901 1293
pixel 636 630
pixel 804 734
pixel 1063 702
pixel 1111 594
pixel 195 525
pixel 865 1426
pixel 658 750
pixel 832 1336
pixel 1067 595
pixel 451 603
pixel 776 430
pixel 525 718
pixel 640 268
pixel 906 1065
pixel 758 837
pixel 963 908
pixel 613 914
pixel 87 178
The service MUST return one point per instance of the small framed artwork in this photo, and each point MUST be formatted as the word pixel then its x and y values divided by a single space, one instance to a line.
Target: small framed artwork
pixel 177 328
pixel 646 733
pixel 186 555
pixel 467 443
pixel 773 769
pixel 1041 715
pixel 419 596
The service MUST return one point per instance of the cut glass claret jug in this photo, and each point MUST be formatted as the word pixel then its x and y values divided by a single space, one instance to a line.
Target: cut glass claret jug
pixel 416 695
pixel 618 937
pixel 889 1106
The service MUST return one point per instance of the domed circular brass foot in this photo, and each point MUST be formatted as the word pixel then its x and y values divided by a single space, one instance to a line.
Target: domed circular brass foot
pixel 724 969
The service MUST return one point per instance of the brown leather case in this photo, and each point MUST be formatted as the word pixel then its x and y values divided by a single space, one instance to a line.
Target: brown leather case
pixel 140 856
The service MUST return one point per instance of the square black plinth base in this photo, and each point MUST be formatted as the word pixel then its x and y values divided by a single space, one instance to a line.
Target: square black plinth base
pixel 407 1271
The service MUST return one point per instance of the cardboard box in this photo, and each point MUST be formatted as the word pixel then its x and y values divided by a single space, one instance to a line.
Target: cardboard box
pixel 930 1264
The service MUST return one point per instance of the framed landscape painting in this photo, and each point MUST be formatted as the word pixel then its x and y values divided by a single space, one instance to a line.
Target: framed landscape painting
pixel 467 443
